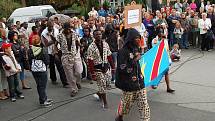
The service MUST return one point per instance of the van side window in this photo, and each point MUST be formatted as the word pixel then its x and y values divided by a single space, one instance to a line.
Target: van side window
pixel 48 12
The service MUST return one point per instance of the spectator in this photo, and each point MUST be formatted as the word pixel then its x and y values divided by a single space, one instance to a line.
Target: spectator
pixel 178 6
pixel 112 40
pixel 193 5
pixel 3 79
pixel 48 38
pixel 102 12
pixel 195 35
pixel 211 15
pixel 175 53
pixel 172 20
pixel 12 68
pixel 20 54
pixel 204 24
pixel 148 23
pixel 85 42
pixel 186 27
pixel 93 13
pixel 37 53
pixel 34 32
pixel 178 31
pixel 207 6
pixel 24 34
pixel 185 5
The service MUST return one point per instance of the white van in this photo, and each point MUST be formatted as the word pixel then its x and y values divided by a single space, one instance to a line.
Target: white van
pixel 27 13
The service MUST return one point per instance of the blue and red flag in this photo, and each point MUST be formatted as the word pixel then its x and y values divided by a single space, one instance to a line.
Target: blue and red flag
pixel 154 64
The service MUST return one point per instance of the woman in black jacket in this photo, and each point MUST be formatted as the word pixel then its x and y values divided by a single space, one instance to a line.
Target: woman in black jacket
pixel 37 53
pixel 20 54
pixel 129 78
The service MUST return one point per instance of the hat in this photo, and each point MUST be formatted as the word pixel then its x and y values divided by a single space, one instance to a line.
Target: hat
pixel 6 45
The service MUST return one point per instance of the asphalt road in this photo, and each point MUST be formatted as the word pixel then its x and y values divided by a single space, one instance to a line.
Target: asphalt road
pixel 193 78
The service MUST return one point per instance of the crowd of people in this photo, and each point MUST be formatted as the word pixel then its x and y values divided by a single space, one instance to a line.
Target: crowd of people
pixel 98 47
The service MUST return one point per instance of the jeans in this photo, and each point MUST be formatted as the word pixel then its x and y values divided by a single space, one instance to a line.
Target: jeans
pixel 184 40
pixel 13 84
pixel 22 73
pixel 57 60
pixel 41 81
pixel 114 57
pixel 171 39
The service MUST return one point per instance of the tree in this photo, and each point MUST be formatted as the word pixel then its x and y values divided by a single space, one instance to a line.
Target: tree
pixel 7 7
pixel 23 3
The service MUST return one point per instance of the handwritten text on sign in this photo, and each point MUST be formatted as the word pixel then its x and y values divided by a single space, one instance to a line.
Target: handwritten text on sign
pixel 133 16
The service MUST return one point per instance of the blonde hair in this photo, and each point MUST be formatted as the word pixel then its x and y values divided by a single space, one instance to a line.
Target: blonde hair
pixel 176 46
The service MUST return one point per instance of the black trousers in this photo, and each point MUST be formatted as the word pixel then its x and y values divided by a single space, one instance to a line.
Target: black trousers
pixel 205 42
pixel 56 60
pixel 13 84
pixel 41 81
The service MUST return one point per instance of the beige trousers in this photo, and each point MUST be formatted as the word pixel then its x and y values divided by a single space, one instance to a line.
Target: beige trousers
pixel 73 69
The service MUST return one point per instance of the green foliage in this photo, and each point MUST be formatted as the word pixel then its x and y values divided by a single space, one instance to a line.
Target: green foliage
pixel 106 4
pixel 79 8
pixel 137 1
pixel 7 7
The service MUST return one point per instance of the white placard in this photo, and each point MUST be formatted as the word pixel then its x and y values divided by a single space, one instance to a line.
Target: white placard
pixel 133 16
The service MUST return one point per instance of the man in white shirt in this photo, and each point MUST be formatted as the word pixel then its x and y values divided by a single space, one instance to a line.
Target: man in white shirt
pixel 93 13
pixel 48 38
pixel 204 25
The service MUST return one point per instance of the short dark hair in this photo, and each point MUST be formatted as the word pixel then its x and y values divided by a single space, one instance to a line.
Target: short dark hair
pixel 33 28
pixel 95 31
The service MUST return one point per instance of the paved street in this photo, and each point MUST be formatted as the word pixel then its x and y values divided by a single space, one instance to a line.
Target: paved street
pixel 193 78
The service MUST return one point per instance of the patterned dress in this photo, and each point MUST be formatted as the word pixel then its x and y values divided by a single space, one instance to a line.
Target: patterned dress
pixel 94 54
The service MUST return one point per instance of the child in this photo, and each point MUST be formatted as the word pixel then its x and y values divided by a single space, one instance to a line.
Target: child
pixel 178 31
pixel 175 53
pixel 12 68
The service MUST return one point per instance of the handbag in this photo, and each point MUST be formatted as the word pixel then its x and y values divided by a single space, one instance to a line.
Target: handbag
pixel 38 66
pixel 210 35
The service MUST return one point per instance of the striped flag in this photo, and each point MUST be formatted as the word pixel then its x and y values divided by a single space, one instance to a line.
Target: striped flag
pixel 154 64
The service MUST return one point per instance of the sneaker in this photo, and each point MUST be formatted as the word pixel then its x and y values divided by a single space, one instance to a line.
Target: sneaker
pixel 13 99
pixel 46 104
pixel 21 96
pixel 209 50
pixel 105 106
pixel 96 97
pixel 50 100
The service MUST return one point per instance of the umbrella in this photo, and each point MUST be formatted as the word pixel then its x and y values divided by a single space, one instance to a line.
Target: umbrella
pixel 61 17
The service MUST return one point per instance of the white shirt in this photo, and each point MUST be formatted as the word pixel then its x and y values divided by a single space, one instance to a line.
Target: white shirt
pixel 204 24
pixel 93 13
pixel 46 36
pixel 141 29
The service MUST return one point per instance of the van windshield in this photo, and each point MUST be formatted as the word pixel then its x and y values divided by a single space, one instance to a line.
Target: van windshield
pixel 48 12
